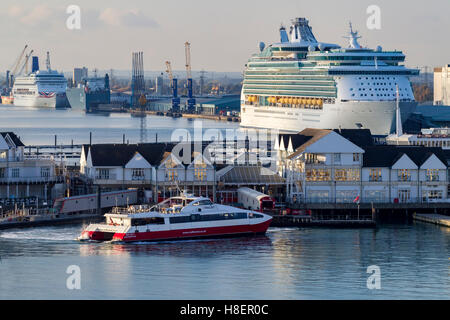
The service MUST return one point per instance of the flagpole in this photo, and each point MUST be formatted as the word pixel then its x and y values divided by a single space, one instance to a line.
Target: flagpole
pixel 358 210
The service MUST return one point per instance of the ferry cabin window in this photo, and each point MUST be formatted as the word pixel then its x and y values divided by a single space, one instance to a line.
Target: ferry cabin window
pixel 254 215
pixel 209 217
pixel 145 221
pixel 180 219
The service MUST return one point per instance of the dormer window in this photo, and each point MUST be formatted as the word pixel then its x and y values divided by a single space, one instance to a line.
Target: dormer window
pixel 337 158
pixel 404 175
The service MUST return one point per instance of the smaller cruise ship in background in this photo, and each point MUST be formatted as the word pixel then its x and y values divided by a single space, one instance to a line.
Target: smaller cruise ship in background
pixel 41 88
pixel 177 218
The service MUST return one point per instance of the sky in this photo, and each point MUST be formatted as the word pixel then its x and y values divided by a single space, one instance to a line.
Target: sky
pixel 223 34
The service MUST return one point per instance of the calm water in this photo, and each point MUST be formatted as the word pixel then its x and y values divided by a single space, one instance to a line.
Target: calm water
pixel 38 126
pixel 284 264
pixel 308 263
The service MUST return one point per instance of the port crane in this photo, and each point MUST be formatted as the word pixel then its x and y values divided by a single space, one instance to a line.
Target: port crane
pixel 14 68
pixel 25 64
pixel 174 86
pixel 191 99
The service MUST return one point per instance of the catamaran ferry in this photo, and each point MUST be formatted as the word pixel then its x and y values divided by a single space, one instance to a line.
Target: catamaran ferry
pixel 177 218
pixel 301 83
pixel 41 88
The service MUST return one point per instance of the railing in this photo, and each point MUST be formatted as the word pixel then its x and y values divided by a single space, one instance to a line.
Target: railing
pixel 37 179
pixel 111 176
pixel 131 209
pixel 368 200
pixel 39 157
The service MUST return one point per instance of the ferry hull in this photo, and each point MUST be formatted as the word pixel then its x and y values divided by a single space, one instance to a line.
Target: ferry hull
pixel 378 116
pixel 180 234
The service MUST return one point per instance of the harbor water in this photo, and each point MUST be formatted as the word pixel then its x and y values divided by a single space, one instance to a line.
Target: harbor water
pixel 38 126
pixel 296 263
pixel 305 263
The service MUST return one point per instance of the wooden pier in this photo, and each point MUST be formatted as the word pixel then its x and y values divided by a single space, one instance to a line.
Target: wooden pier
pixel 438 219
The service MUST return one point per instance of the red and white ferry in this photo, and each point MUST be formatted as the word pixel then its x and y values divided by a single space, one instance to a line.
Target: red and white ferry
pixel 182 217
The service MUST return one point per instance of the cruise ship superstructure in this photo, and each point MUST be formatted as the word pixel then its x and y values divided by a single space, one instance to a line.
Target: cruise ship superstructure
pixel 301 83
pixel 41 88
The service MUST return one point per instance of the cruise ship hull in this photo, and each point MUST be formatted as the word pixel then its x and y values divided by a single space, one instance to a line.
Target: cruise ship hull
pixel 378 116
pixel 56 101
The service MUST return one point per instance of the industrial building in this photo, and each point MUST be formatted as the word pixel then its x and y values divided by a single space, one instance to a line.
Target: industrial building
pixel 442 85
pixel 205 105
pixel 78 75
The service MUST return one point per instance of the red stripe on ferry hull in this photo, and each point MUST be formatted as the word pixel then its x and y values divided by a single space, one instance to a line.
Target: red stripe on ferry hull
pixel 192 233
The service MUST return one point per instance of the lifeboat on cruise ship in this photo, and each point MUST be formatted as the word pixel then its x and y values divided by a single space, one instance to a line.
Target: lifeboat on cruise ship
pixel 177 218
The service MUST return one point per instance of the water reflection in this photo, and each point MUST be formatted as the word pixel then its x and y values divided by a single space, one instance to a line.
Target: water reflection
pixel 284 264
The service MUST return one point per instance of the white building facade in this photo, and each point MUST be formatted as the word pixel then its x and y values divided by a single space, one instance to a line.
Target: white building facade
pixel 24 176
pixel 328 168
pixel 442 85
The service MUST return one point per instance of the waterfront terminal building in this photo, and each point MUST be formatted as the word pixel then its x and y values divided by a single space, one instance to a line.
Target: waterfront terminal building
pixel 314 166
pixel 339 166
pixel 25 177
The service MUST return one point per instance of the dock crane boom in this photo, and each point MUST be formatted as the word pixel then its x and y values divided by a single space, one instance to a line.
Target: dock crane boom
pixel 191 99
pixel 25 64
pixel 14 68
pixel 174 86
pixel 17 62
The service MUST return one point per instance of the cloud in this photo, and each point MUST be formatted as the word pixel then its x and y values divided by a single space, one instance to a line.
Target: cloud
pixel 14 11
pixel 37 15
pixel 126 18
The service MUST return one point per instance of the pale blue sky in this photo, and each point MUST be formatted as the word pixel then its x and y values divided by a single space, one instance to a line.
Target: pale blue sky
pixel 223 34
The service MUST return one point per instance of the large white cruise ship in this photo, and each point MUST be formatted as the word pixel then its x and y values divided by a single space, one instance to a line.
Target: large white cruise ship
pixel 41 88
pixel 301 83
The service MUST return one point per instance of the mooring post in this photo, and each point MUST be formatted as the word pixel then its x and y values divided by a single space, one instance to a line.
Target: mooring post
pixel 99 200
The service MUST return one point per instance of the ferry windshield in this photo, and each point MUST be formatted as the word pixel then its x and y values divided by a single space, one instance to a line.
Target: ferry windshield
pixel 203 203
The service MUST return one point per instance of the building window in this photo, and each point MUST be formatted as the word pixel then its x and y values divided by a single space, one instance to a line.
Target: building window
pixel 432 195
pixel 337 158
pixel 2 172
pixel 318 196
pixel 346 175
pixel 404 195
pixel 375 175
pixel 3 155
pixel 318 175
pixel 171 174
pixel 15 173
pixel 432 175
pixel 356 157
pixel 102 174
pixel 45 172
pixel 200 173
pixel 346 196
pixel 314 158
pixel 404 175
pixel 138 174
pixel 375 196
